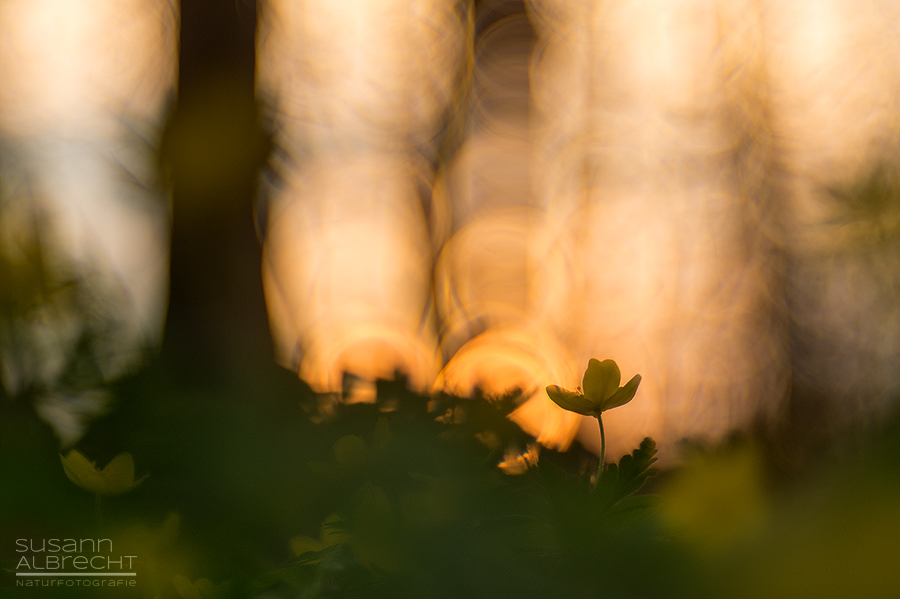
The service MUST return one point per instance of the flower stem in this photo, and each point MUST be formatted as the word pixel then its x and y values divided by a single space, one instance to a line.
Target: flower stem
pixel 98 508
pixel 602 448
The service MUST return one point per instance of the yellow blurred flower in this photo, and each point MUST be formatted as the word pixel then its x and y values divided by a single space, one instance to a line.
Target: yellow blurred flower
pixel 717 499
pixel 117 477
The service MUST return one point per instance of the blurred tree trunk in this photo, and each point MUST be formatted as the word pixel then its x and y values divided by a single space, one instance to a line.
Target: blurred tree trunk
pixel 212 149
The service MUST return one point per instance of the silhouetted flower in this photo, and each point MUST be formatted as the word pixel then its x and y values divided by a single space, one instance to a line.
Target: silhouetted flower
pixel 601 390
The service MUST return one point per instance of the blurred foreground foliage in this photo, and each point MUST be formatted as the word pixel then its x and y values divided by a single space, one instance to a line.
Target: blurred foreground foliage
pixel 248 498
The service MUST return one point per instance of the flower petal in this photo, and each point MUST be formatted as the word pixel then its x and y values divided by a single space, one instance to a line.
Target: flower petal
pixel 119 474
pixel 601 380
pixel 623 395
pixel 83 472
pixel 571 400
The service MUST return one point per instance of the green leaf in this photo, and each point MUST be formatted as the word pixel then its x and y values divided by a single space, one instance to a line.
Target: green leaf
pixel 333 531
pixel 633 509
pixel 601 380
pixel 619 481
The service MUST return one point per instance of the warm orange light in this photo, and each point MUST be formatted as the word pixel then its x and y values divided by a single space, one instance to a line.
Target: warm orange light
pixel 704 191
pixel 638 181
pixel 359 91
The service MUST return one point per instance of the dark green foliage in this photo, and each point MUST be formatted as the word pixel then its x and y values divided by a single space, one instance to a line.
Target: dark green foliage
pixel 419 507
pixel 403 498
pixel 616 483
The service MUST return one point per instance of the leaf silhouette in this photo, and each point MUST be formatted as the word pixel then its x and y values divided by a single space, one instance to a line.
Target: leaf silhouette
pixel 619 481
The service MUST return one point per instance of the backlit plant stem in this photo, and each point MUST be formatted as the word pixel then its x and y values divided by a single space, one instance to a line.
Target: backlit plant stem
pixel 602 447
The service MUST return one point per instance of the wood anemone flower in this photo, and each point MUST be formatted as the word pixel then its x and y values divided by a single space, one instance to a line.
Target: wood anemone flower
pixel 601 390
pixel 117 477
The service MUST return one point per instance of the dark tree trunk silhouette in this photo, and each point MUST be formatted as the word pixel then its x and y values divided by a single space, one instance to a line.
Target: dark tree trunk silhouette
pixel 212 149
